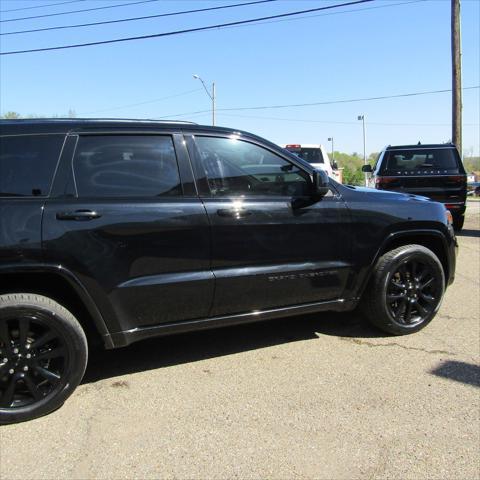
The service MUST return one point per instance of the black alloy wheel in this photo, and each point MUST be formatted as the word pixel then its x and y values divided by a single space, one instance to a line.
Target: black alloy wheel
pixel 33 359
pixel 43 355
pixel 413 293
pixel 405 290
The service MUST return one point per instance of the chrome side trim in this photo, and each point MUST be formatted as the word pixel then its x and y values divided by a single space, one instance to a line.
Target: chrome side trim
pixel 168 278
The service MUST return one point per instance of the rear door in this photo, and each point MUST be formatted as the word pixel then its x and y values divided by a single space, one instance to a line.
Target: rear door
pixel 27 167
pixel 125 218
pixel 266 254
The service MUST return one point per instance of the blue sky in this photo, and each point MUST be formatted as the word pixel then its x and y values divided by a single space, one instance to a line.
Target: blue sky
pixel 377 49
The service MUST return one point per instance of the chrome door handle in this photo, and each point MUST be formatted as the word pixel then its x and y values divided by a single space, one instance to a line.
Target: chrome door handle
pixel 234 212
pixel 79 215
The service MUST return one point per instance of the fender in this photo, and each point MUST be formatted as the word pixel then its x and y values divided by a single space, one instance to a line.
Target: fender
pixel 396 235
pixel 73 282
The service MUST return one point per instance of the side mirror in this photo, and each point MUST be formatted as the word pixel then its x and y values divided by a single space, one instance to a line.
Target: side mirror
pixel 367 168
pixel 335 165
pixel 320 183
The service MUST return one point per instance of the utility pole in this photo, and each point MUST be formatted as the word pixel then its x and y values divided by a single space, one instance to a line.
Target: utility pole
pixel 456 77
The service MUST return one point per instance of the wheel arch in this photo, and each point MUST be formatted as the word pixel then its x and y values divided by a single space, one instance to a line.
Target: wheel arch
pixel 431 239
pixel 62 286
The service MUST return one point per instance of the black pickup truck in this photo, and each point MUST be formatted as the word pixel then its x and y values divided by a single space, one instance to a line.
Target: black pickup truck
pixel 116 231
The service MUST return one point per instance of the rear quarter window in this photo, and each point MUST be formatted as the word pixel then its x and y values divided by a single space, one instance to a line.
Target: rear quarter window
pixel 440 161
pixel 27 164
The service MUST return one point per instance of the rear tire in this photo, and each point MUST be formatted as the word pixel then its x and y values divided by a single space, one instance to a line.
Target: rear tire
pixel 458 221
pixel 43 356
pixel 405 291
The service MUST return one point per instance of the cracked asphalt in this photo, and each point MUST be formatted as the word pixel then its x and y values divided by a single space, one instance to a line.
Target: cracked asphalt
pixel 321 396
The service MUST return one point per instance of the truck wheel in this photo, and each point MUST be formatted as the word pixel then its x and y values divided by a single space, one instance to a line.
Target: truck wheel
pixel 458 221
pixel 43 355
pixel 405 291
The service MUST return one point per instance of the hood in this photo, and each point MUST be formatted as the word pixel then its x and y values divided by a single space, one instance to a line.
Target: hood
pixel 384 195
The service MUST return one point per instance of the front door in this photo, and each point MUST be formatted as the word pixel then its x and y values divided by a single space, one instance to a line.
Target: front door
pixel 267 253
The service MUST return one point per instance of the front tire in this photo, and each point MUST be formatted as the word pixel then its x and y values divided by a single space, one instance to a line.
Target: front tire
pixel 43 356
pixel 405 291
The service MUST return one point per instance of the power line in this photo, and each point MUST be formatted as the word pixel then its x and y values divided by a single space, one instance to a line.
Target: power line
pixel 400 95
pixel 139 18
pixel 40 6
pixel 329 102
pixel 143 103
pixel 78 11
pixel 200 10
pixel 189 30
pixel 334 122
pixel 388 5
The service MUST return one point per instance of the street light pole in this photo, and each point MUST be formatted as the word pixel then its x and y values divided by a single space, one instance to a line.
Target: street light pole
pixel 213 103
pixel 362 118
pixel 212 95
pixel 330 139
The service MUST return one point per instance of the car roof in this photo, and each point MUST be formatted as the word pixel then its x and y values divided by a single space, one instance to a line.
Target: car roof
pixel 420 146
pixel 83 121
pixel 67 124
pixel 303 145
pixel 32 126
pixel 64 125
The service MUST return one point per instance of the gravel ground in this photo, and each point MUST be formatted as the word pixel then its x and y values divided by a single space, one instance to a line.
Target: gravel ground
pixel 321 396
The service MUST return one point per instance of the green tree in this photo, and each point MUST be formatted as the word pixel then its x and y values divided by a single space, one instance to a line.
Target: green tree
pixel 352 168
pixel 372 158
pixel 353 176
pixel 11 115
pixel 471 164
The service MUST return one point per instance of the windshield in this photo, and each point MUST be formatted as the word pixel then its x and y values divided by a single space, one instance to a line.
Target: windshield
pixel 422 161
pixel 310 155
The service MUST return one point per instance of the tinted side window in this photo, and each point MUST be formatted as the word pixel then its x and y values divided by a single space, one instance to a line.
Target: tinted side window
pixel 310 155
pixel 235 167
pixel 27 164
pixel 126 166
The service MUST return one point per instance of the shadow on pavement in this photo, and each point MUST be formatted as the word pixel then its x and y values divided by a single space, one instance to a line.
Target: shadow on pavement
pixel 459 371
pixel 468 233
pixel 192 347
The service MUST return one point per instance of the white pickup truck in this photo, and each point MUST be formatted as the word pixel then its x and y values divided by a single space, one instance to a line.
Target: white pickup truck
pixel 316 155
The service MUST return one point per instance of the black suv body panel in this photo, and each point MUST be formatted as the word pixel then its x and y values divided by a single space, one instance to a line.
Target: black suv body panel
pixel 379 218
pixel 167 264
pixel 20 231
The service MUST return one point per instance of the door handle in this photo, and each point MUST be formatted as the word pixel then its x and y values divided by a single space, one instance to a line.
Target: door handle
pixel 79 215
pixel 234 212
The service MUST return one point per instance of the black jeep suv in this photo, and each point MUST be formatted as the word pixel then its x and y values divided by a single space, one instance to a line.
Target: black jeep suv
pixel 115 231
pixel 435 171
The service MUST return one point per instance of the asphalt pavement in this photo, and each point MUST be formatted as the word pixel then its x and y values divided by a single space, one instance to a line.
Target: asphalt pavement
pixel 320 396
